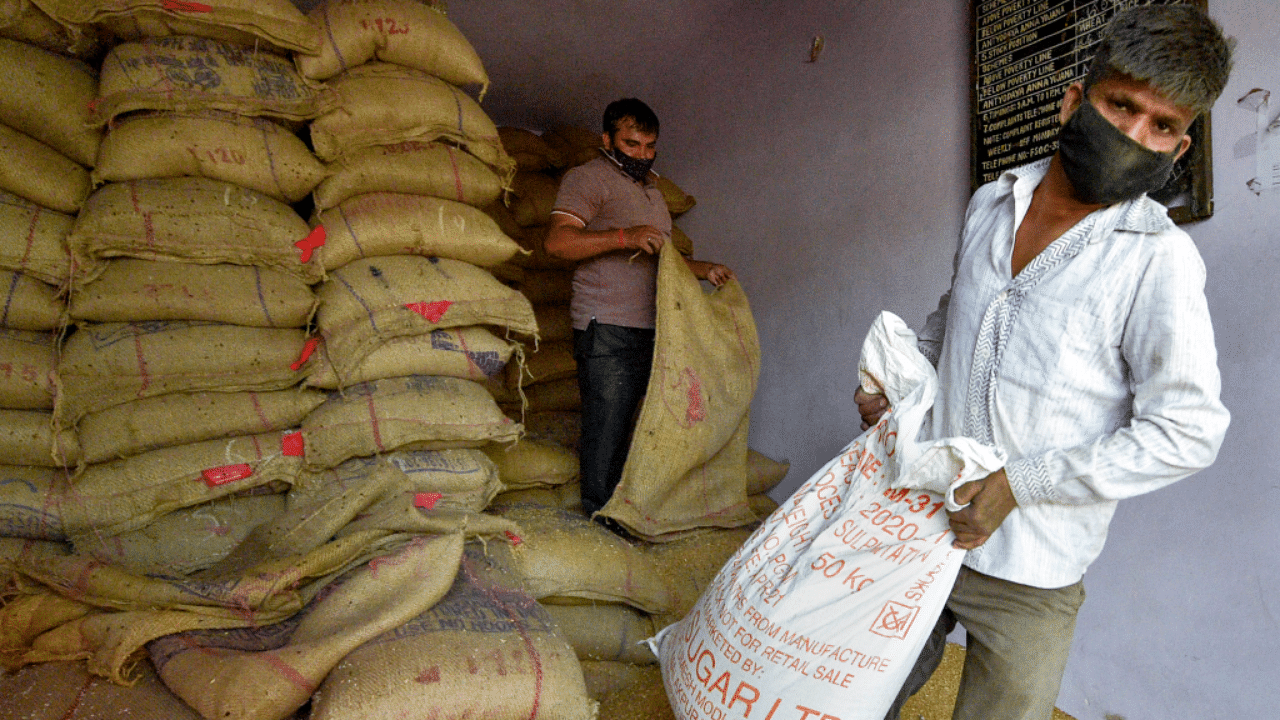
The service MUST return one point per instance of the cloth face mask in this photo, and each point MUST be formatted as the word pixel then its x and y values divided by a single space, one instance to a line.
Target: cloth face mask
pixel 637 169
pixel 1103 164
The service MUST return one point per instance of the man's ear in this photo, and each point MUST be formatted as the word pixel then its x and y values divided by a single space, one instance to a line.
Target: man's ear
pixel 1183 147
pixel 606 141
pixel 1071 100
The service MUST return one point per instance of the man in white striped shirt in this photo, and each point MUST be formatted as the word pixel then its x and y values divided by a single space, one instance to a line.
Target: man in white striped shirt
pixel 1075 337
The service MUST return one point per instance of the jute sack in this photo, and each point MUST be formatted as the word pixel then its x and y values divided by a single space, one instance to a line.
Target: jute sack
pixel 626 690
pixel 268 673
pixel 37 172
pixel 605 632
pixel 763 472
pixel 131 290
pixel 180 418
pixel 762 505
pixel 687 464
pixel 535 196
pixel 27 437
pixel 256 153
pixel 402 32
pixel 533 240
pixel 105 365
pixel 278 22
pixel 551 361
pixel 557 395
pixel 191 220
pixel 425 412
pixel 547 287
pixel 529 150
pixel 681 241
pixel 470 353
pixel 20 20
pixel 537 495
pixel 116 497
pixel 46 96
pixel 554 322
pixel 68 691
pixel 184 541
pixel 690 565
pixel 501 214
pixel 529 463
pixel 28 369
pixel 370 301
pixel 485 650
pixel 29 304
pixel 184 73
pixel 569 560
pixel 574 144
pixel 382 103
pixel 379 224
pixel 420 168
pixel 560 428
pixel 33 240
pixel 30 503
pixel 678 201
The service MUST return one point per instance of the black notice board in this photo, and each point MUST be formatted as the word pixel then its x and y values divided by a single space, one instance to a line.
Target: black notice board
pixel 1024 54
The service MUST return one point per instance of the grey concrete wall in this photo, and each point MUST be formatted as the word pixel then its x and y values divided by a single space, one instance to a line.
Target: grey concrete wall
pixel 835 189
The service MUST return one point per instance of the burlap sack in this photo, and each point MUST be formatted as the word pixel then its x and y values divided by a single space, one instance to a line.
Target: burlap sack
pixel 560 428
pixel 428 413
pixel 277 22
pixel 538 495
pixel 30 503
pixel 420 168
pixel 46 96
pixel 547 287
pixel 27 437
pixel 162 421
pixel 191 220
pixel 681 241
pixel 116 497
pixel 268 673
pixel 105 365
pixel 763 472
pixel 529 150
pixel 554 322
pixel 184 541
pixel 530 463
pixel 485 650
pixel 762 506
pixel 370 301
pixel 554 396
pixel 551 361
pixel 574 144
pixel 403 32
pixel 28 303
pixel 382 103
pixel 605 632
pixel 28 375
pixel 686 467
pixel 535 196
pixel 68 691
pixel 379 224
pixel 501 214
pixel 567 559
pixel 188 73
pixel 690 565
pixel 628 692
pixel 470 353
pixel 256 153
pixel 22 21
pixel 33 240
pixel 533 240
pixel 37 172
pixel 678 201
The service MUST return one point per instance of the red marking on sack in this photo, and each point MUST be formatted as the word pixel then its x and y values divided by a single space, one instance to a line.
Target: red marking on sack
pixel 432 311
pixel 307 349
pixel 373 425
pixel 291 445
pixel 185 6
pixel 514 538
pixel 430 675
pixel 697 410
pixel 289 672
pixel 142 365
pixel 75 704
pixel 213 477
pixel 308 244
pixel 426 500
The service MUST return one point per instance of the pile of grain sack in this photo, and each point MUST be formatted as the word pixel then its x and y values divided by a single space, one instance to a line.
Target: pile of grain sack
pixel 289 429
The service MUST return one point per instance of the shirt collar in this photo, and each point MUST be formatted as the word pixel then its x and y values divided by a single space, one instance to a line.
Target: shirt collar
pixel 1140 215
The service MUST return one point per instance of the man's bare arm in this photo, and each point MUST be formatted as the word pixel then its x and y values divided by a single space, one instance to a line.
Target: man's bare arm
pixel 568 239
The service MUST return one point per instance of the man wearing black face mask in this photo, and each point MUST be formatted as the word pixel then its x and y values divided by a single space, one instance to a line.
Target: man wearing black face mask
pixel 1076 338
pixel 610 217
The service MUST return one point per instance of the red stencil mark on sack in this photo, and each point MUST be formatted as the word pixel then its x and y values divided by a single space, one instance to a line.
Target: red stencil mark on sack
pixel 426 500
pixel 308 244
pixel 514 538
pixel 213 477
pixel 307 349
pixel 697 410
pixel 430 675
pixel 183 6
pixel 432 311
pixel 291 445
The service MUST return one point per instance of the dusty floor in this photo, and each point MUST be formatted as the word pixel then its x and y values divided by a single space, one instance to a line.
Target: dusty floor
pixel 935 700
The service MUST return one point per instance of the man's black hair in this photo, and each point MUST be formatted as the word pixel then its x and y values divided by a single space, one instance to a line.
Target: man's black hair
pixel 631 109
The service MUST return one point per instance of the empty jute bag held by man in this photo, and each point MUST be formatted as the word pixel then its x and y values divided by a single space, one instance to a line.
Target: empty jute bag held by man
pixel 687 466
pixel 826 607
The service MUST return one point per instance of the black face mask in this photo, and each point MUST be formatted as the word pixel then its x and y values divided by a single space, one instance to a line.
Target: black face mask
pixel 1103 164
pixel 637 169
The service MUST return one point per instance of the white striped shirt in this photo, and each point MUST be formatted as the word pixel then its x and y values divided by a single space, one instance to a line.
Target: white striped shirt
pixel 1094 370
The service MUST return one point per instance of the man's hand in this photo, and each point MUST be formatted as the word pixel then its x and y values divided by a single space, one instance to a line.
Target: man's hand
pixel 645 238
pixel 990 502
pixel 718 275
pixel 870 407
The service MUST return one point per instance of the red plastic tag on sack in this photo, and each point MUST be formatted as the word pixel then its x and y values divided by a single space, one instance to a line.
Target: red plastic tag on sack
pixel 184 6
pixel 426 500
pixel 307 349
pixel 432 311
pixel 291 445
pixel 308 244
pixel 213 477
pixel 514 538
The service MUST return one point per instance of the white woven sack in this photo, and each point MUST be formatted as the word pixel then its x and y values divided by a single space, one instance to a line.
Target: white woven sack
pixel 826 607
